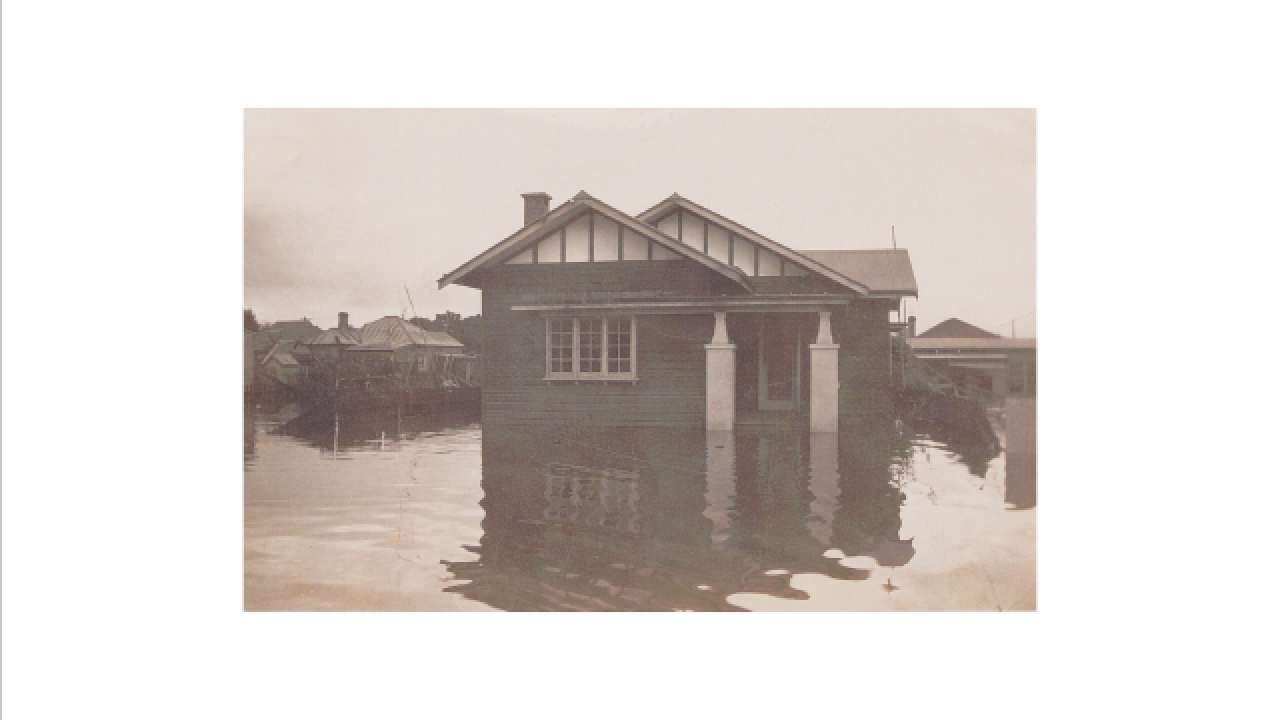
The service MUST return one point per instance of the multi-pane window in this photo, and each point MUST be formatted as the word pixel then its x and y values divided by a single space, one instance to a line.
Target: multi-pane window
pixel 620 347
pixel 560 346
pixel 599 348
pixel 590 344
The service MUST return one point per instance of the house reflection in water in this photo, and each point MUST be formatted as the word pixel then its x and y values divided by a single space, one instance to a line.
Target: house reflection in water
pixel 666 519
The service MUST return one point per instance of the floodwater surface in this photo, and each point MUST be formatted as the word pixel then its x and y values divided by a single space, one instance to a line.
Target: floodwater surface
pixel 387 513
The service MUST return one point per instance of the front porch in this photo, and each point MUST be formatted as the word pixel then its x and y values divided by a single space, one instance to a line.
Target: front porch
pixel 773 369
pixel 771 360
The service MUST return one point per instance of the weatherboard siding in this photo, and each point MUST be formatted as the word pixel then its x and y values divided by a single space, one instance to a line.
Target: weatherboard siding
pixel 671 360
pixel 671 387
pixel 862 331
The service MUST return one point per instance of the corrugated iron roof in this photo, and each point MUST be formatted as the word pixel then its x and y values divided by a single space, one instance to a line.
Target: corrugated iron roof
pixel 882 271
pixel 393 333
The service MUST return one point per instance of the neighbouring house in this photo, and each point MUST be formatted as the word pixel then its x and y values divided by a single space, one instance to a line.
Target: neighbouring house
pixel 299 331
pixel 259 344
pixel 281 366
pixel 393 346
pixel 328 346
pixel 979 360
pixel 679 317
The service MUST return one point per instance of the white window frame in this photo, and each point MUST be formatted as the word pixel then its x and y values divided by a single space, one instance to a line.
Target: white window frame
pixel 604 375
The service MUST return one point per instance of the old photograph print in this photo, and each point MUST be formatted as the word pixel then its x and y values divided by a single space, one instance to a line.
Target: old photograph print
pixel 646 360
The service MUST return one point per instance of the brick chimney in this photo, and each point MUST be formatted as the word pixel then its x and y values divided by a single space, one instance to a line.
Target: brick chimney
pixel 342 321
pixel 535 206
pixel 911 326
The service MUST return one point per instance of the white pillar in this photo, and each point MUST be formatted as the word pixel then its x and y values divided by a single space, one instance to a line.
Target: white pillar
pixel 720 486
pixel 721 373
pixel 824 485
pixel 824 379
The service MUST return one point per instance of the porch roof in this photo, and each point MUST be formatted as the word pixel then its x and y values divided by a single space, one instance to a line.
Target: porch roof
pixel 699 305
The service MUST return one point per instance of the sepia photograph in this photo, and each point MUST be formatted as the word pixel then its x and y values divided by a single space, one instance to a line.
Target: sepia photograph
pixel 668 360
pixel 641 360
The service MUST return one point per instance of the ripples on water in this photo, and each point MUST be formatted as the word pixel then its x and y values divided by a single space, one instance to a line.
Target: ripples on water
pixel 416 514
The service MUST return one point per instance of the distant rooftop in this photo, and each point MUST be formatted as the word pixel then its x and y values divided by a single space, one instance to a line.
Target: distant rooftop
pixel 392 333
pixel 954 328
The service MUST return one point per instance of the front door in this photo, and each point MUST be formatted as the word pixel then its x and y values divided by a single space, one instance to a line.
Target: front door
pixel 779 363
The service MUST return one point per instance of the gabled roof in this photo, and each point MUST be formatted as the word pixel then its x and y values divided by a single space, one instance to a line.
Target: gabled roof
pixel 883 272
pixel 567 213
pixel 282 352
pixel 664 208
pixel 954 328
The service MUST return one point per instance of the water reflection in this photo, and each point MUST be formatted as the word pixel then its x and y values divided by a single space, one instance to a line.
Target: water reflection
pixel 440 513
pixel 350 431
pixel 660 520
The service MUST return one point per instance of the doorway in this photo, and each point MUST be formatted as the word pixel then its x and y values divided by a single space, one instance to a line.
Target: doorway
pixel 778 363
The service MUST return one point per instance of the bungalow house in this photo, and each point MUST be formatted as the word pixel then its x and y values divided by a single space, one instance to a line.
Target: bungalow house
pixel 393 345
pixel 678 317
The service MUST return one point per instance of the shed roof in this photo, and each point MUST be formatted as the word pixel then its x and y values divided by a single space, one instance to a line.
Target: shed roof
pixel 885 272
pixel 954 328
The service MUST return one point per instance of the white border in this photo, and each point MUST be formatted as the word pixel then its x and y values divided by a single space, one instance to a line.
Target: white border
pixel 122 225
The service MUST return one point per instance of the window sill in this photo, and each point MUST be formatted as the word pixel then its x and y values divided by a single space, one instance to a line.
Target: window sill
pixel 620 380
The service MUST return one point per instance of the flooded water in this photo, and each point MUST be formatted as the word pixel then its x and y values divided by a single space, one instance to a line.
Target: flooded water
pixel 414 514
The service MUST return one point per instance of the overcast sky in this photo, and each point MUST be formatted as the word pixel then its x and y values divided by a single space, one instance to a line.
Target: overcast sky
pixel 345 208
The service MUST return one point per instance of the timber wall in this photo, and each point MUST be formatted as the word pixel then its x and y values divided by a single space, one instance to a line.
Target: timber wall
pixel 862 330
pixel 671 390
pixel 671 360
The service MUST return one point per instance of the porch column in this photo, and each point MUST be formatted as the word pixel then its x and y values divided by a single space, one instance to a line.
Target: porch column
pixel 720 486
pixel 824 379
pixel 720 377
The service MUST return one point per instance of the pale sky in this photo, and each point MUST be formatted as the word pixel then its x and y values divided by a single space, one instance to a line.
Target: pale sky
pixel 345 208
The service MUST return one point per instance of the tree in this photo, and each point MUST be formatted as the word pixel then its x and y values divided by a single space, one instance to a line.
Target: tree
pixel 250 322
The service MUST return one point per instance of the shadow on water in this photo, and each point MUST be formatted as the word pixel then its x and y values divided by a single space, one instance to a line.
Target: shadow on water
pixel 648 519
pixel 961 425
